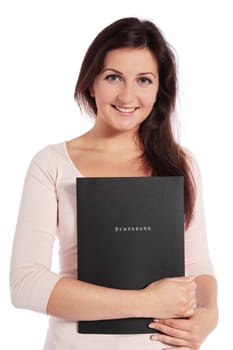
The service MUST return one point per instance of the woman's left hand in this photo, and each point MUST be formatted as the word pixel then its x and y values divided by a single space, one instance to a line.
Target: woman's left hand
pixel 184 333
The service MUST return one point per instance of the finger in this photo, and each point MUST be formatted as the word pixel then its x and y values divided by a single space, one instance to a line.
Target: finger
pixel 190 308
pixel 176 348
pixel 183 348
pixel 188 313
pixel 179 324
pixel 182 279
pixel 169 329
pixel 163 338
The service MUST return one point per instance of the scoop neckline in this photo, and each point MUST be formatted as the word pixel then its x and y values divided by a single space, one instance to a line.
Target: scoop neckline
pixel 71 161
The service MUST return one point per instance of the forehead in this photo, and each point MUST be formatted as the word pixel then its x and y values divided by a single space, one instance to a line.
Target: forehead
pixel 131 59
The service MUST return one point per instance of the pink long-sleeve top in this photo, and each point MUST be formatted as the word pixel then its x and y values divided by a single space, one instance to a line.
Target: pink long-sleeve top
pixel 47 212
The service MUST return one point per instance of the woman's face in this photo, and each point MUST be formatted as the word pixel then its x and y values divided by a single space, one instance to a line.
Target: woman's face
pixel 126 88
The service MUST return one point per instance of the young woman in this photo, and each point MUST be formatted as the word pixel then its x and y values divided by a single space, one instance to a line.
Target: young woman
pixel 128 83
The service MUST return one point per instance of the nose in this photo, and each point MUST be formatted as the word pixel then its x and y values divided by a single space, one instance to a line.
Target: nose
pixel 126 94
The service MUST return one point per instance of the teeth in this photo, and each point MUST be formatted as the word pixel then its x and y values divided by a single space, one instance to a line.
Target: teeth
pixel 125 109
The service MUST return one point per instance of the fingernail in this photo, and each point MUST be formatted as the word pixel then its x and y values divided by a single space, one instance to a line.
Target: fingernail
pixel 154 337
pixel 150 325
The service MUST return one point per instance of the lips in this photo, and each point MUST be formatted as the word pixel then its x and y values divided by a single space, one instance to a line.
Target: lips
pixel 125 109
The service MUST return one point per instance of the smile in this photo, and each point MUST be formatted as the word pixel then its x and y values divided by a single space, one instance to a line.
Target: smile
pixel 125 109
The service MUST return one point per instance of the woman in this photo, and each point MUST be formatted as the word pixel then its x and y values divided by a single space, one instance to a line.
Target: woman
pixel 128 83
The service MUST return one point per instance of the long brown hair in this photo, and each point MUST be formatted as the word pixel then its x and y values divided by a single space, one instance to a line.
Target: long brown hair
pixel 162 155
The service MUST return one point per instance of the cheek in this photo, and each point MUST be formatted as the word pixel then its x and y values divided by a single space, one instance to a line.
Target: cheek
pixel 148 99
pixel 104 97
pixel 101 100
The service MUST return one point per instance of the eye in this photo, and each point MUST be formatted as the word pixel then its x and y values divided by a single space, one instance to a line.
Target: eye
pixel 145 81
pixel 113 77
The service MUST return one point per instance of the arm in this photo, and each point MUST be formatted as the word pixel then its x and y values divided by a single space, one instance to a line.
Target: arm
pixel 35 287
pixel 77 300
pixel 191 333
pixel 206 298
pixel 31 278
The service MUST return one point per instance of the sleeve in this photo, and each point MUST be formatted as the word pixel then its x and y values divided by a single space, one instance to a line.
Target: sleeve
pixel 31 278
pixel 197 259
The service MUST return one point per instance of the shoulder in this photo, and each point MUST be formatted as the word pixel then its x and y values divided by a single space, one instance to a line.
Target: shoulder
pixel 188 154
pixel 50 154
pixel 194 171
pixel 192 161
pixel 48 160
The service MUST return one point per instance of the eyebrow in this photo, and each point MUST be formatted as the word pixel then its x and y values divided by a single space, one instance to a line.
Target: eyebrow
pixel 120 73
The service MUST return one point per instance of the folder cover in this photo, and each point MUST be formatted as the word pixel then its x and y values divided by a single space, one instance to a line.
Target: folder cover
pixel 130 233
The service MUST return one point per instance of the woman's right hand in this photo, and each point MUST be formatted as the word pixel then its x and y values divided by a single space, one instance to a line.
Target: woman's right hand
pixel 170 298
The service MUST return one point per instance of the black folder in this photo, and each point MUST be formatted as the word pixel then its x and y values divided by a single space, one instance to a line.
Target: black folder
pixel 130 233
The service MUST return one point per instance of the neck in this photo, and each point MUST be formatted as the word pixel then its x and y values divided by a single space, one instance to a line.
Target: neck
pixel 112 141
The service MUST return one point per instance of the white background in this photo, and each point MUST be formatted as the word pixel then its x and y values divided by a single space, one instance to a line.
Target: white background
pixel 42 44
